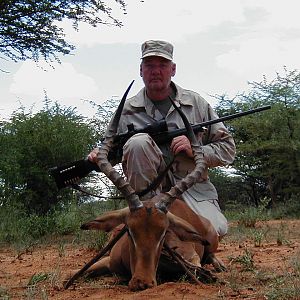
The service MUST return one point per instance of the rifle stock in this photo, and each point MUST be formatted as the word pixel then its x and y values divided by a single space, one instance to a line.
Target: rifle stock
pixel 71 173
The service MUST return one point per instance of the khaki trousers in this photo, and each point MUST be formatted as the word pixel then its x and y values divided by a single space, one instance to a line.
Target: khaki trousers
pixel 143 160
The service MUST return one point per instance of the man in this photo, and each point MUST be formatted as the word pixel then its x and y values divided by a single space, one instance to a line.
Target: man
pixel 143 159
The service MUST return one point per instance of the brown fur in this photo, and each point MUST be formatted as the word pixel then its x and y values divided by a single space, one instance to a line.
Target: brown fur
pixel 137 253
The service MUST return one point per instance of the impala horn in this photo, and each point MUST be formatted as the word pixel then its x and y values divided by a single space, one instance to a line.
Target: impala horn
pixel 105 166
pixel 200 165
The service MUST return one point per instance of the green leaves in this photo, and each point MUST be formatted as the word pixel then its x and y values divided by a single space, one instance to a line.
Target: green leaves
pixel 268 143
pixel 33 29
pixel 31 144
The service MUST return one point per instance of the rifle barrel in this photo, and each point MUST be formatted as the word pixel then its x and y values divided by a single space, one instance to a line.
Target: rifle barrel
pixel 161 137
pixel 69 173
pixel 236 115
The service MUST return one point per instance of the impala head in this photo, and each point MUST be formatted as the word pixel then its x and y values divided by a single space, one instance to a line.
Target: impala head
pixel 148 222
pixel 147 228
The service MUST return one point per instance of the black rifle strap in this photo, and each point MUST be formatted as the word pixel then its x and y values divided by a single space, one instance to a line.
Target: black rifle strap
pixel 157 181
pixel 97 257
pixel 78 188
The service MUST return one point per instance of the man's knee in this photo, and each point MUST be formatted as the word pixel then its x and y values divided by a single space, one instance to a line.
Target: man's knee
pixel 139 140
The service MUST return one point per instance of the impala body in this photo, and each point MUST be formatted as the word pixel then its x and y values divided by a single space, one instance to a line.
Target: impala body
pixel 137 253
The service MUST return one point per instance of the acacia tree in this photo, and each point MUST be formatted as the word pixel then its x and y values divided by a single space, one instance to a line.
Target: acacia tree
pixel 32 29
pixel 268 157
pixel 30 145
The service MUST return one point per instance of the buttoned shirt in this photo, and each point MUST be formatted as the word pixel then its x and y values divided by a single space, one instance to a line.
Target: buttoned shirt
pixel 218 144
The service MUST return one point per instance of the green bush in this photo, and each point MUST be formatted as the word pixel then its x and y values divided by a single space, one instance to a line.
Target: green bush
pixel 250 215
pixel 68 220
pixel 22 230
pixel 287 209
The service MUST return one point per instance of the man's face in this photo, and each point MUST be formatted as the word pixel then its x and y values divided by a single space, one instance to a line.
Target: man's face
pixel 157 72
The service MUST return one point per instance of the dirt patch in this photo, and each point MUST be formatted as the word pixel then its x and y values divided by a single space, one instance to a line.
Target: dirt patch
pixel 255 258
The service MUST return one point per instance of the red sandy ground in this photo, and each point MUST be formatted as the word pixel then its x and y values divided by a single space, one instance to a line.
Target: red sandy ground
pixel 236 283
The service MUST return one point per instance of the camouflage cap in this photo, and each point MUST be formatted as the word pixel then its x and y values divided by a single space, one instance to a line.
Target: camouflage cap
pixel 157 48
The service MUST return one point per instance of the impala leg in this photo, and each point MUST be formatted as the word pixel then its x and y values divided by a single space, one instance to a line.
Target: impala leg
pixel 217 263
pixel 99 268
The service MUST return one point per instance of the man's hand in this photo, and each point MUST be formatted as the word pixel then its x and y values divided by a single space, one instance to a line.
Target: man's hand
pixel 92 157
pixel 181 144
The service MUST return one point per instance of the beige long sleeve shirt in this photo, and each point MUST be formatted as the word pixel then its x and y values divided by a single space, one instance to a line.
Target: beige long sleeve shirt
pixel 217 143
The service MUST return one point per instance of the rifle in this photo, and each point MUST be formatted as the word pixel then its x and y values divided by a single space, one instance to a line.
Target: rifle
pixel 71 173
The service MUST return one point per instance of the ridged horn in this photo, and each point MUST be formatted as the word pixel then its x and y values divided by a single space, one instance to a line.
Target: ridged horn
pixel 191 178
pixel 105 166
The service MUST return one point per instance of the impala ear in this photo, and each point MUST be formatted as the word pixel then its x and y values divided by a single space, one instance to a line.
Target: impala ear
pixel 107 221
pixel 184 230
